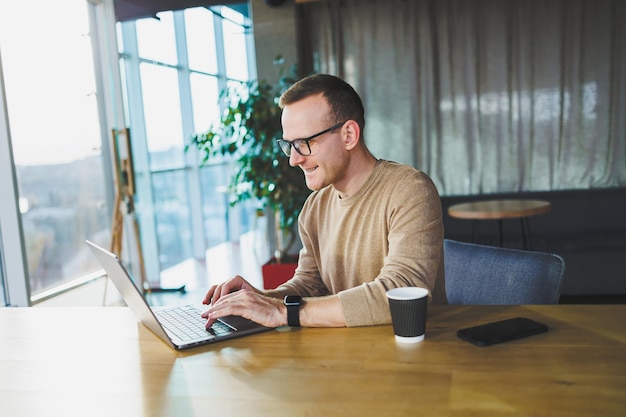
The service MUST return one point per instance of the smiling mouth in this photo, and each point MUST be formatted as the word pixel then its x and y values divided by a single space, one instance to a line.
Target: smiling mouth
pixel 309 170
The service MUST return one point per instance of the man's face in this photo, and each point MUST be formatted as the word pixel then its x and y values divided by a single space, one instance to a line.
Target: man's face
pixel 327 163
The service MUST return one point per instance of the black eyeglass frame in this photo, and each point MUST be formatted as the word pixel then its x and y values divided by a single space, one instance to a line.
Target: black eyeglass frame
pixel 286 145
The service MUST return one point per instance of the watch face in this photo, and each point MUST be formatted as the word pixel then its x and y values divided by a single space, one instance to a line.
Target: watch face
pixel 293 300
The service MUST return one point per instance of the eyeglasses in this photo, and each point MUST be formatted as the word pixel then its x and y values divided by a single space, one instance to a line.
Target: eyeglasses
pixel 298 144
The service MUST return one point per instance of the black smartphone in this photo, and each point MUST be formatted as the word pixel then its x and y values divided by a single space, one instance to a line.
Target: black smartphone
pixel 501 331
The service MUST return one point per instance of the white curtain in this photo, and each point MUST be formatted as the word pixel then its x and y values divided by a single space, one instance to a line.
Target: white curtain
pixel 485 96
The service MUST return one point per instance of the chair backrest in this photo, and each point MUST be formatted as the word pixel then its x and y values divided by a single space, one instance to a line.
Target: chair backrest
pixel 479 274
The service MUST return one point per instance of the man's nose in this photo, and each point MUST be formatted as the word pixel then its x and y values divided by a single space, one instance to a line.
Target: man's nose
pixel 295 158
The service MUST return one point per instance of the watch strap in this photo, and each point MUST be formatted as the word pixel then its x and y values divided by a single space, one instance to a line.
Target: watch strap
pixel 293 304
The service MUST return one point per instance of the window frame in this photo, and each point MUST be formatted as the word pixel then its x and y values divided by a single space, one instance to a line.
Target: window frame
pixel 113 113
pixel 130 63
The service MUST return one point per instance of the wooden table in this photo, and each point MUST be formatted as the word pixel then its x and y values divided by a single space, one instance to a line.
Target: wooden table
pixel 101 362
pixel 499 210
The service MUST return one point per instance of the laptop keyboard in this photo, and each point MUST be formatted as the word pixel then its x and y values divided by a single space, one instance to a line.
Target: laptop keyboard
pixel 185 323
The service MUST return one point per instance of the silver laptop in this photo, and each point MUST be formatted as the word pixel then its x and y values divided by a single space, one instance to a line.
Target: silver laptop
pixel 180 327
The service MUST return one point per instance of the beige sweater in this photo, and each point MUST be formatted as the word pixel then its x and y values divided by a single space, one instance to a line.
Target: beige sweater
pixel 389 234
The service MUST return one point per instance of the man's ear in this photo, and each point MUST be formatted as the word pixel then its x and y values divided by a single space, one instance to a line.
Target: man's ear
pixel 351 134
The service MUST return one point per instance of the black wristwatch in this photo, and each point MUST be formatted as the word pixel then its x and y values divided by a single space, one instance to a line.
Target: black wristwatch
pixel 293 303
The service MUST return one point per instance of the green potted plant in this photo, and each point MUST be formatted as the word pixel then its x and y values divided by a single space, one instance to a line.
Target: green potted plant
pixel 247 132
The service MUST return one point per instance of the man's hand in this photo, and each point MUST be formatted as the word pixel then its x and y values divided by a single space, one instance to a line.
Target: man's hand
pixel 234 284
pixel 237 297
pixel 250 304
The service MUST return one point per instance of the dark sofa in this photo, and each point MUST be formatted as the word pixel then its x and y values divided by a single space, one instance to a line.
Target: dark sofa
pixel 586 227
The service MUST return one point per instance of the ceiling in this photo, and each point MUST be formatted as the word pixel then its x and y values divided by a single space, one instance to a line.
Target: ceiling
pixel 137 9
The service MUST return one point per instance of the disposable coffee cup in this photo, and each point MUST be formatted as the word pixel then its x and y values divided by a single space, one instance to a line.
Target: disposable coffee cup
pixel 408 313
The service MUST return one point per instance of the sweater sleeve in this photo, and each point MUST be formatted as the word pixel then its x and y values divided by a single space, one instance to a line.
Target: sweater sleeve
pixel 307 281
pixel 414 242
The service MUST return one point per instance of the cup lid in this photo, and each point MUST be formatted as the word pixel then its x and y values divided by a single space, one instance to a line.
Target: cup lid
pixel 407 293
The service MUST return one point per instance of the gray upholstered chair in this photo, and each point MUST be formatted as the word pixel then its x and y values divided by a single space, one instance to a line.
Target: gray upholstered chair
pixel 479 274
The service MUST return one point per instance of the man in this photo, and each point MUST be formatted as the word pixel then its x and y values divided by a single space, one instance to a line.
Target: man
pixel 370 225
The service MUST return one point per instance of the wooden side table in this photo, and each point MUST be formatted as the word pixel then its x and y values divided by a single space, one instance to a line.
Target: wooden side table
pixel 499 210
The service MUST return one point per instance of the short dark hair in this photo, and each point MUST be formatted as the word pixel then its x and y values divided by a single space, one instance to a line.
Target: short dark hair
pixel 345 103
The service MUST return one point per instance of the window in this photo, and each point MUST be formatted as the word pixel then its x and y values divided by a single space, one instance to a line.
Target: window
pixel 50 89
pixel 3 294
pixel 174 68
pixel 200 36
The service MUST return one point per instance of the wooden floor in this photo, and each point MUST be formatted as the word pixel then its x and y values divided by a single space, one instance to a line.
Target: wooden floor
pixel 222 262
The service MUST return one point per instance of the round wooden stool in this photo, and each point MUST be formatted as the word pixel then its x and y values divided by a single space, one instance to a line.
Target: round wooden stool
pixel 499 210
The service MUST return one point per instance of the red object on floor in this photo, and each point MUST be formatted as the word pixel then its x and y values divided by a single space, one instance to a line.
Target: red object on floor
pixel 275 274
